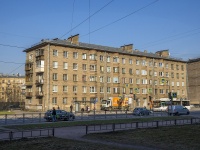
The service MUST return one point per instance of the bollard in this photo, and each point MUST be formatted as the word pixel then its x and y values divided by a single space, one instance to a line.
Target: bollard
pixel 10 135
pixel 23 118
pixel 6 117
pixel 157 124
pixel 53 132
pixel 175 121
pixel 86 129
pixel 113 126
pixel 39 117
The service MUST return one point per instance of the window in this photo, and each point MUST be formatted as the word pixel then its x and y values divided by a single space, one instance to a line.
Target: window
pixel 115 80
pixel 172 83
pixel 167 74
pixel 137 62
pixel 123 70
pixel 84 56
pixel 144 81
pixel 144 91
pixel 115 69
pixel 143 63
pixel 101 58
pixel 177 75
pixel 92 57
pixel 74 89
pixel 54 100
pixel 84 89
pixel 155 82
pixel 108 79
pixel 131 90
pixel 162 91
pixel 108 58
pixel 84 67
pixel 75 66
pixel 65 88
pixel 101 79
pixel 137 72
pixel 75 77
pixel 108 90
pixel 92 89
pixel 108 69
pixel 123 60
pixel 130 71
pixel 65 77
pixel 92 67
pixel 172 66
pixel 55 76
pixel 177 84
pixel 183 84
pixel 116 90
pixel 64 100
pixel 101 89
pixel 161 74
pixel 123 80
pixel 182 75
pixel 65 54
pixel 150 72
pixel 65 65
pixel 182 67
pixel 137 81
pixel 130 61
pixel 166 65
pixel 160 64
pixel 172 75
pixel 55 52
pixel 93 78
pixel 150 63
pixel 55 64
pixel 155 73
pixel 155 64
pixel 55 88
pixel 75 55
pixel 84 78
pixel 177 67
pixel 144 72
pixel 101 69
pixel 115 59
pixel 131 80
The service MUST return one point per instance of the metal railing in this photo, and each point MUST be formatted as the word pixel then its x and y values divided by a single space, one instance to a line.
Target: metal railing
pixel 137 125
pixel 14 135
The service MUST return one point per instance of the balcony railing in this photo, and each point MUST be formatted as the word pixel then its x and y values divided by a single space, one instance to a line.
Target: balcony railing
pixel 39 93
pixel 39 82
pixel 39 69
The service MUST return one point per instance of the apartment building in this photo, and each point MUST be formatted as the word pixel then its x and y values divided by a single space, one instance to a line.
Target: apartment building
pixel 61 73
pixel 12 88
pixel 193 70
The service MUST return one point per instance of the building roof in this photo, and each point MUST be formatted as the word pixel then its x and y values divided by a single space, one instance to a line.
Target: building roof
pixel 66 43
pixel 194 60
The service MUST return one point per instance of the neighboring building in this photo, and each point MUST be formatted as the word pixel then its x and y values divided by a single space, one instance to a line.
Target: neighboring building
pixel 12 88
pixel 193 70
pixel 61 73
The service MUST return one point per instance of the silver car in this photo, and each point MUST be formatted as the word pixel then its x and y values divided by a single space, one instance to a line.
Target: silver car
pixel 177 110
pixel 141 111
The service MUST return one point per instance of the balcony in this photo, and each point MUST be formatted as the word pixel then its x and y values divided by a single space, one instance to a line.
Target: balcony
pixel 29 94
pixel 29 83
pixel 39 69
pixel 39 82
pixel 39 94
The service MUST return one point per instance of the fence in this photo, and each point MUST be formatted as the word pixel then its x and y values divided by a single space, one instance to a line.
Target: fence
pixel 93 115
pixel 137 125
pixel 14 135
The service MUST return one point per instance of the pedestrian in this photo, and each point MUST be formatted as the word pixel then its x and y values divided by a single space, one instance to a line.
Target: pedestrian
pixel 71 108
pixel 54 114
pixel 82 110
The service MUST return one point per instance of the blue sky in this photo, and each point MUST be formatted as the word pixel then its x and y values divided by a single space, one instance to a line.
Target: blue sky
pixel 148 24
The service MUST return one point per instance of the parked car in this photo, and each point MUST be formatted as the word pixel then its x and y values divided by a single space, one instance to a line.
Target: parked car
pixel 60 115
pixel 141 111
pixel 177 110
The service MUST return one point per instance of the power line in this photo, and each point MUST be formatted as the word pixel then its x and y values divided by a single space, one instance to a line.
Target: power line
pixel 122 17
pixel 72 17
pixel 87 18
pixel 12 46
pixel 16 68
pixel 10 62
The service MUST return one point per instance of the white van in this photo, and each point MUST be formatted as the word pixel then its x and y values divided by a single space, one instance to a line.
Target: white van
pixel 177 110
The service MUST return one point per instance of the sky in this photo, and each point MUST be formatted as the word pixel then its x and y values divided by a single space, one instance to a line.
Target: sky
pixel 150 25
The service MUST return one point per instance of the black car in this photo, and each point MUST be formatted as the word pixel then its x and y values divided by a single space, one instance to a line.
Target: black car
pixel 60 115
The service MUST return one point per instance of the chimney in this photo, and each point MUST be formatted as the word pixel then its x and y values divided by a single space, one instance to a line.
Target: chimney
pixel 127 48
pixel 163 53
pixel 74 39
